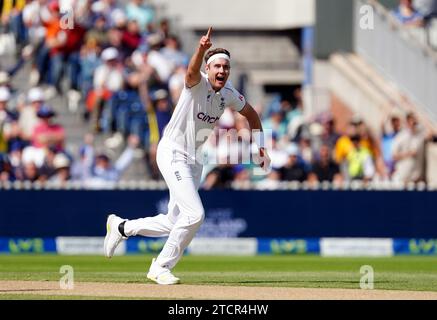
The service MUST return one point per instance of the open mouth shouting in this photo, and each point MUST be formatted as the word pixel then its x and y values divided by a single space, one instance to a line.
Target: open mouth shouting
pixel 220 80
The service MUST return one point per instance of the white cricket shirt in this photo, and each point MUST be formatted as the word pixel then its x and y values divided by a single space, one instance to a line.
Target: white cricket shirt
pixel 197 111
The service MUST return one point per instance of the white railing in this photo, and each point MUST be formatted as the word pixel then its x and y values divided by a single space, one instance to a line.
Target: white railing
pixel 246 185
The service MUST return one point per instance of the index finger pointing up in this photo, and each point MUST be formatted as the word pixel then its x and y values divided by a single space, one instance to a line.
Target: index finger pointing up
pixel 208 34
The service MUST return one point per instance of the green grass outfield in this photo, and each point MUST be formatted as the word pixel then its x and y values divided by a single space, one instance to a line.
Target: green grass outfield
pixel 397 273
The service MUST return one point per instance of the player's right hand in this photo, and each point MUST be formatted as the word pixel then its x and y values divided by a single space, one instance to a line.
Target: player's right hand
pixel 265 162
pixel 205 42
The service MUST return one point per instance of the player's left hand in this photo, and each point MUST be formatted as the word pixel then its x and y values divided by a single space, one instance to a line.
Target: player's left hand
pixel 265 159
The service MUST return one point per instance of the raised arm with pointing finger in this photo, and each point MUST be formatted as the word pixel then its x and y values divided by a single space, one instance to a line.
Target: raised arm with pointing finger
pixel 193 75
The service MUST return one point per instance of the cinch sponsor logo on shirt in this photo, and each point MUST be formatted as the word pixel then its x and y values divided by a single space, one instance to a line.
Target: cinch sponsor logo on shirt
pixel 206 118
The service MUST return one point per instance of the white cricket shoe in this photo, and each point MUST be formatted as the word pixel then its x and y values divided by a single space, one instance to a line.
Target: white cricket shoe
pixel 161 275
pixel 113 236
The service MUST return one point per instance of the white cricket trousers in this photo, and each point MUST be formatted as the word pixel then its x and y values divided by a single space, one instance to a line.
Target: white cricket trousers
pixel 185 210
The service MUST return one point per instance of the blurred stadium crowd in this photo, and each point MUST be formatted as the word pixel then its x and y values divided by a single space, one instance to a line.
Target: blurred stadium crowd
pixel 124 71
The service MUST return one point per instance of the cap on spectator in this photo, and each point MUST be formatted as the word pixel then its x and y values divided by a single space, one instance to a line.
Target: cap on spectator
pixel 61 161
pixel 98 6
pixel 109 54
pixel 5 94
pixel 35 95
pixel 45 111
pixel 160 94
pixel 118 16
pixel 154 39
pixel 356 120
pixel 396 114
pixel 4 78
pixel 16 146
pixel 316 129
pixel 292 150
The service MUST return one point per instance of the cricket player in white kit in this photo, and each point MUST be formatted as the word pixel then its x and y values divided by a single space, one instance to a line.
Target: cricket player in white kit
pixel 201 104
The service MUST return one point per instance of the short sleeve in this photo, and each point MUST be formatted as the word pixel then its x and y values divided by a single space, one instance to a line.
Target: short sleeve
pixel 203 83
pixel 235 100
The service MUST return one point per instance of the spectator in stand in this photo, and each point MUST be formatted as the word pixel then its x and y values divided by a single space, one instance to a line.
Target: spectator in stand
pixel 15 100
pixel 99 31
pixel 80 169
pixel 118 19
pixel 176 83
pixel 293 169
pixel 28 118
pixel 15 21
pixel 287 108
pixel 344 144
pixel 330 135
pixel 368 141
pixel 159 114
pixel 241 176
pixel 409 152
pixel 143 13
pixel 13 135
pixel 131 37
pixel 30 172
pixel 108 78
pixel 220 177
pixel 325 168
pixel 103 7
pixel 5 168
pixel 89 61
pixel 115 38
pixel 278 156
pixel 295 117
pixel 102 171
pixel 276 123
pixel 306 151
pixel 162 110
pixel 66 56
pixel 406 14
pixel 47 169
pixel 428 9
pixel 388 136
pixel 157 60
pixel 359 161
pixel 56 166
pixel 5 79
pixel 15 162
pixel 61 165
pixel 6 116
pixel 172 51
pixel 47 133
pixel 53 38
pixel 33 14
pixel 164 28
